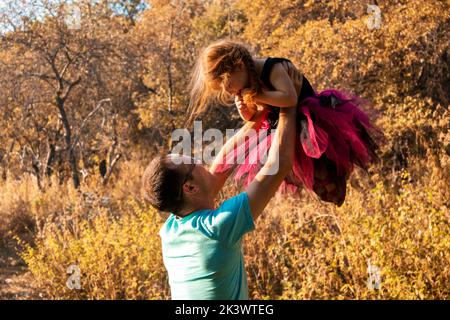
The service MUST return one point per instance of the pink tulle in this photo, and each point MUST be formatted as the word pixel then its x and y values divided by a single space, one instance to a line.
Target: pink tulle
pixel 328 147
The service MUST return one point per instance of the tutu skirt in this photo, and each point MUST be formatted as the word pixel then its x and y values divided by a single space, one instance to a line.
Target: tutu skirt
pixel 333 135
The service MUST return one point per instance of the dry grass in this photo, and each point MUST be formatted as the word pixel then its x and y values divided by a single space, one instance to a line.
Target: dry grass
pixel 301 249
pixel 398 219
pixel 307 250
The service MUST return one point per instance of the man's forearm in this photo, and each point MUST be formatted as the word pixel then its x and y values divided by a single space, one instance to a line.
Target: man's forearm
pixel 230 145
pixel 282 151
pixel 278 164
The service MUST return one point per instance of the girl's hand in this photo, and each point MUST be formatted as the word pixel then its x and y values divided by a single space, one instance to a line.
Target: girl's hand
pixel 245 111
pixel 247 96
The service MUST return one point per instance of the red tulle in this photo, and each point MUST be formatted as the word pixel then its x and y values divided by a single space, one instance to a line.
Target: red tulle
pixel 333 135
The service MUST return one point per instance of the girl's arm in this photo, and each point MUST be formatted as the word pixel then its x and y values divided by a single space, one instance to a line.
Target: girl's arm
pixel 285 93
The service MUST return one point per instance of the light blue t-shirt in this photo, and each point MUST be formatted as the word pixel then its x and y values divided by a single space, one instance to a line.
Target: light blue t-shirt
pixel 202 252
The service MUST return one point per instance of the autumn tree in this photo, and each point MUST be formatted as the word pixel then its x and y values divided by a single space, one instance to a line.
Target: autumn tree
pixel 69 83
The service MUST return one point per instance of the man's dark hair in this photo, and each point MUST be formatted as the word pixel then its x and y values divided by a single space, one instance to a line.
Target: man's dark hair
pixel 161 185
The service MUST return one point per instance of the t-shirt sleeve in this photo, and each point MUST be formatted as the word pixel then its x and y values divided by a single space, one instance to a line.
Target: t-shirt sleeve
pixel 231 220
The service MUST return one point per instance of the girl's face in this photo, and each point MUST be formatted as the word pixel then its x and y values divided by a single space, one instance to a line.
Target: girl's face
pixel 237 80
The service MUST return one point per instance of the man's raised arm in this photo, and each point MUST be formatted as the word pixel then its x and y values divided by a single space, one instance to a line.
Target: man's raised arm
pixel 236 140
pixel 278 165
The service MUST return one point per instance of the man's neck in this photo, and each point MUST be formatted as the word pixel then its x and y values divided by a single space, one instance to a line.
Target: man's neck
pixel 191 209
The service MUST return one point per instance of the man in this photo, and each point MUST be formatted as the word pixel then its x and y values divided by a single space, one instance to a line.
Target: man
pixel 201 245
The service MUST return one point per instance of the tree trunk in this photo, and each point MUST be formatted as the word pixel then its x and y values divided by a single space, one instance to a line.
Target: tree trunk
pixel 169 68
pixel 50 158
pixel 68 140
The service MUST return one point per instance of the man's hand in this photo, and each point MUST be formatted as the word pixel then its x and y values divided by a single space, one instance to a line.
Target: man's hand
pixel 295 75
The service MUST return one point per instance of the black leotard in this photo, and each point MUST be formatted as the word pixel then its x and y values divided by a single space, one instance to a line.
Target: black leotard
pixel 306 90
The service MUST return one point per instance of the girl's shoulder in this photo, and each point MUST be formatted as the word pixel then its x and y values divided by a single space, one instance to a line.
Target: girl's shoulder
pixel 259 64
pixel 267 66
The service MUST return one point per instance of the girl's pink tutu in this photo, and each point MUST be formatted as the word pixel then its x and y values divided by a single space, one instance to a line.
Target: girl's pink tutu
pixel 333 135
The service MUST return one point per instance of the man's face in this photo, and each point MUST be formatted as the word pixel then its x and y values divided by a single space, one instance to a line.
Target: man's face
pixel 201 177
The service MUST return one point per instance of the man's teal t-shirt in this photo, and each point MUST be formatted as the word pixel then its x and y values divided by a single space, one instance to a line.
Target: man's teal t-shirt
pixel 202 252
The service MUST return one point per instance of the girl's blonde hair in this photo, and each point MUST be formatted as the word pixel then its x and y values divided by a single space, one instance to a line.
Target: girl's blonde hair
pixel 211 74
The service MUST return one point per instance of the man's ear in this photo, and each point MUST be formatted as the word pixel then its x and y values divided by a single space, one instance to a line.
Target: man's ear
pixel 190 188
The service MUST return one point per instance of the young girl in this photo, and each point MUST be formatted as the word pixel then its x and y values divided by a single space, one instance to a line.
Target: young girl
pixel 333 133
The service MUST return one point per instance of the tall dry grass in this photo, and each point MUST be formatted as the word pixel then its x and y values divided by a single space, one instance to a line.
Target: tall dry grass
pixel 311 250
pixel 301 248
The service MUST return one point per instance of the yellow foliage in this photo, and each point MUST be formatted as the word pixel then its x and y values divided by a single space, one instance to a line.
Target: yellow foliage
pixel 397 220
pixel 118 258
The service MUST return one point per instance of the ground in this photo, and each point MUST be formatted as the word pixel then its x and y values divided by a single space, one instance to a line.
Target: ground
pixel 16 281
